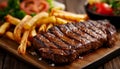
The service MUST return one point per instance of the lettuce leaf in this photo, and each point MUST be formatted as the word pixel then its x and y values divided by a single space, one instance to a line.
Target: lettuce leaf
pixel 50 2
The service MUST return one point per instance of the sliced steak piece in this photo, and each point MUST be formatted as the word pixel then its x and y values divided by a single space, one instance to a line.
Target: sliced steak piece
pixel 64 43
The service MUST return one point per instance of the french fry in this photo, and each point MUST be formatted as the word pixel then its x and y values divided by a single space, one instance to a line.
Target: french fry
pixel 32 33
pixel 9 35
pixel 69 16
pixel 47 20
pixel 61 21
pixel 23 43
pixel 28 43
pixel 42 28
pixel 19 28
pixel 4 27
pixel 49 26
pixel 12 20
pixel 33 21
pixel 52 19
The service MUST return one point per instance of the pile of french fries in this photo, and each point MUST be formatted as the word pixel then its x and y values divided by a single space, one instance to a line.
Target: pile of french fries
pixel 25 29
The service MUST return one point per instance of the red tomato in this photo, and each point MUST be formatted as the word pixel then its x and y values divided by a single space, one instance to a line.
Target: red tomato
pixel 34 6
pixel 3 4
pixel 103 8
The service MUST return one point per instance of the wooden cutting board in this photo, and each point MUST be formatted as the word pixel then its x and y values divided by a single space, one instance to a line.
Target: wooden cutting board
pixel 90 60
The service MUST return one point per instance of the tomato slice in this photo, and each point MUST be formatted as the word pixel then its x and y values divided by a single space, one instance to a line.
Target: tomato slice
pixel 34 6
pixel 3 4
pixel 103 8
pixel 45 6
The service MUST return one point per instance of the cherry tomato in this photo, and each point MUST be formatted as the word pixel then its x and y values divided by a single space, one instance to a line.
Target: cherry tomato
pixel 103 8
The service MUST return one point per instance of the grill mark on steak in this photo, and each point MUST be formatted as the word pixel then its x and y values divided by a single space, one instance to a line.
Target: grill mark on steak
pixel 84 41
pixel 87 25
pixel 99 38
pixel 56 40
pixel 109 27
pixel 65 30
pixel 36 41
pixel 69 45
pixel 72 42
pixel 46 42
pixel 98 25
pixel 52 40
pixel 93 41
pixel 105 26
pixel 98 31
pixel 86 30
pixel 80 33
pixel 102 25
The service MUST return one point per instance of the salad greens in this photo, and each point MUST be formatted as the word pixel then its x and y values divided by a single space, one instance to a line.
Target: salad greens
pixel 13 8
pixel 106 6
pixel 50 2
pixel 115 4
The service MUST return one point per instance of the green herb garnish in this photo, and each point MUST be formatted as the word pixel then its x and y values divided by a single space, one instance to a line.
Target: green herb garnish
pixel 13 8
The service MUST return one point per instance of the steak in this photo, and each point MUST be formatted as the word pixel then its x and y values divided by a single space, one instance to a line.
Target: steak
pixel 64 43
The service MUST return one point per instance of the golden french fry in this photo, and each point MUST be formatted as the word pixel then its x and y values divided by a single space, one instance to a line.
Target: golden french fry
pixel 23 43
pixel 28 43
pixel 61 21
pixel 12 20
pixel 19 28
pixel 49 26
pixel 4 27
pixel 69 16
pixel 42 28
pixel 33 21
pixel 9 35
pixel 32 33
pixel 47 20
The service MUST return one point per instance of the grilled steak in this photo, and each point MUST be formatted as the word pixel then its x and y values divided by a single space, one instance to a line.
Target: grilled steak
pixel 64 43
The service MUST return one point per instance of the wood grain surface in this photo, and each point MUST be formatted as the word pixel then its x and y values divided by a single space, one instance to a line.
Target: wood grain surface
pixel 9 61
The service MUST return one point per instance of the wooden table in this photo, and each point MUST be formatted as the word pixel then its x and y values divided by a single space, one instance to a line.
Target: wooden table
pixel 8 61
